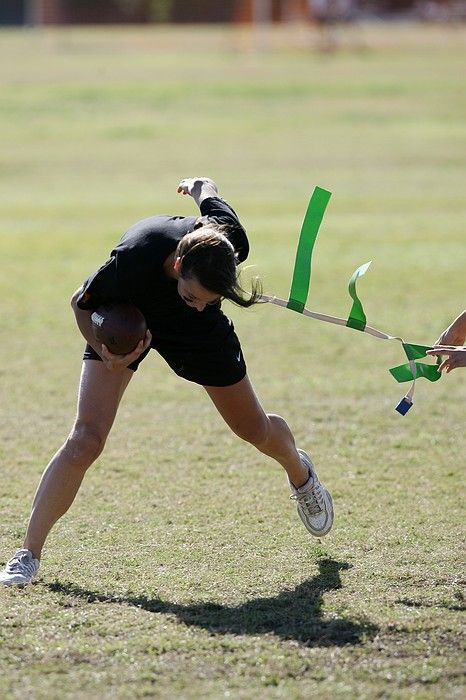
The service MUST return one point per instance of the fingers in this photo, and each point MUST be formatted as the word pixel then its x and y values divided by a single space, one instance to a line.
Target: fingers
pixel 148 339
pixel 144 343
pixel 108 358
pixel 439 350
pixel 456 356
pixel 140 347
pixel 106 354
pixel 186 185
pixel 445 365
pixel 448 364
pixel 113 361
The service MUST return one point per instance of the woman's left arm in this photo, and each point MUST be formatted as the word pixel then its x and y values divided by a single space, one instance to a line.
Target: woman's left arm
pixel 205 193
pixel 199 188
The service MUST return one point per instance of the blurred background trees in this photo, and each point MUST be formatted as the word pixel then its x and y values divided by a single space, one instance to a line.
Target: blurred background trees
pixel 33 12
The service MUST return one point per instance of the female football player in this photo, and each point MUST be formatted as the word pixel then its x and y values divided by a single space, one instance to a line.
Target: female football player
pixel 177 270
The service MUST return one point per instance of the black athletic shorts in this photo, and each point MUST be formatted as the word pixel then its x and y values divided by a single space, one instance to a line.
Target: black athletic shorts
pixel 215 364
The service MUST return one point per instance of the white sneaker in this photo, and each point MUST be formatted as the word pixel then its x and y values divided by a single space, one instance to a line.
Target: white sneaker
pixel 313 501
pixel 20 570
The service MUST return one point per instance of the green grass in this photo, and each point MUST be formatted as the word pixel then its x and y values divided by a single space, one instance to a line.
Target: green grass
pixel 182 569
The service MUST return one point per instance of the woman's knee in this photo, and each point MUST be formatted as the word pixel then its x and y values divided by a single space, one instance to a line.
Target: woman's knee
pixel 84 444
pixel 265 430
pixel 253 431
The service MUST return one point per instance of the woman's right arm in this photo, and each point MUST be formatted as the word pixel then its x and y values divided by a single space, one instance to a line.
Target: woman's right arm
pixel 83 320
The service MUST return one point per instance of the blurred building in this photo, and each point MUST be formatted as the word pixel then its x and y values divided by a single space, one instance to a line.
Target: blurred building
pixel 73 11
pixel 59 12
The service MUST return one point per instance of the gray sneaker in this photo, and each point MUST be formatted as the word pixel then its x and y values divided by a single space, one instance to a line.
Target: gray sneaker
pixel 313 501
pixel 20 570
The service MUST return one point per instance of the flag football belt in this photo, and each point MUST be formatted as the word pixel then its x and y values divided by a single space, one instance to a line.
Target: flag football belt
pixel 356 320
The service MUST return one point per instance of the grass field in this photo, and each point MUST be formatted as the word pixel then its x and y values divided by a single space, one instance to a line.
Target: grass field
pixel 207 586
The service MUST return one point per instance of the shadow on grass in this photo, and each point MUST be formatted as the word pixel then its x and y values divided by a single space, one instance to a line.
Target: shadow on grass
pixel 292 615
pixel 409 603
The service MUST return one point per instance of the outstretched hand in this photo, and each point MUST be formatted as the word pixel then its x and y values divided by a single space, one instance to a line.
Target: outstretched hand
pixel 198 187
pixel 455 334
pixel 456 356
pixel 119 362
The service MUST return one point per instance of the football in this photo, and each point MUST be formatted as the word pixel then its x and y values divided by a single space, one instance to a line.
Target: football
pixel 119 326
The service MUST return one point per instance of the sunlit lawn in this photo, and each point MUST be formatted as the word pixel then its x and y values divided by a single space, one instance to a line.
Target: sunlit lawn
pixel 182 569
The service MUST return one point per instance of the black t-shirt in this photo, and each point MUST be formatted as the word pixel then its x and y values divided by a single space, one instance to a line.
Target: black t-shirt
pixel 134 273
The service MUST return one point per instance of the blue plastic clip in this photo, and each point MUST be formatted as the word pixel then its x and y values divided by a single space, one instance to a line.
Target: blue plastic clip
pixel 404 405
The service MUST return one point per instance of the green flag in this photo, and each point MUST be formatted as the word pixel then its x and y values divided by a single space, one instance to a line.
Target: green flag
pixel 403 373
pixel 302 267
pixel 357 317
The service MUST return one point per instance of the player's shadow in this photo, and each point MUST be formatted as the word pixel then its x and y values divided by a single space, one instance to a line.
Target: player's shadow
pixel 294 614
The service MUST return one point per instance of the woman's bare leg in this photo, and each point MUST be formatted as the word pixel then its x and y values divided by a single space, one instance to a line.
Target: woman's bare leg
pixel 270 434
pixel 100 392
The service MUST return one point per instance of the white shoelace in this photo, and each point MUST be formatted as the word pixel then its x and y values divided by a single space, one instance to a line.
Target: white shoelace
pixel 312 500
pixel 21 565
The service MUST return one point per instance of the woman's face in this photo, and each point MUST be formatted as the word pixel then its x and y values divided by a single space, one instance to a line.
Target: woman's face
pixel 195 295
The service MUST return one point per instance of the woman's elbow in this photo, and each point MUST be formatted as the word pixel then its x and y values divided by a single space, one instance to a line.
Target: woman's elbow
pixel 74 299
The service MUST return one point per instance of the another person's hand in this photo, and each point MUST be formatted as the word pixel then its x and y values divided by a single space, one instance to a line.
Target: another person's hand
pixel 456 356
pixel 455 334
pixel 120 362
pixel 451 336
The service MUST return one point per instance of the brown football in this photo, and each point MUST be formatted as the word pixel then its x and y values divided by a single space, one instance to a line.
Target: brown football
pixel 119 326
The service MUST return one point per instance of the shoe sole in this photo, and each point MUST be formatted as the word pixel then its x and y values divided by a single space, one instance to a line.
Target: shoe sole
pixel 19 584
